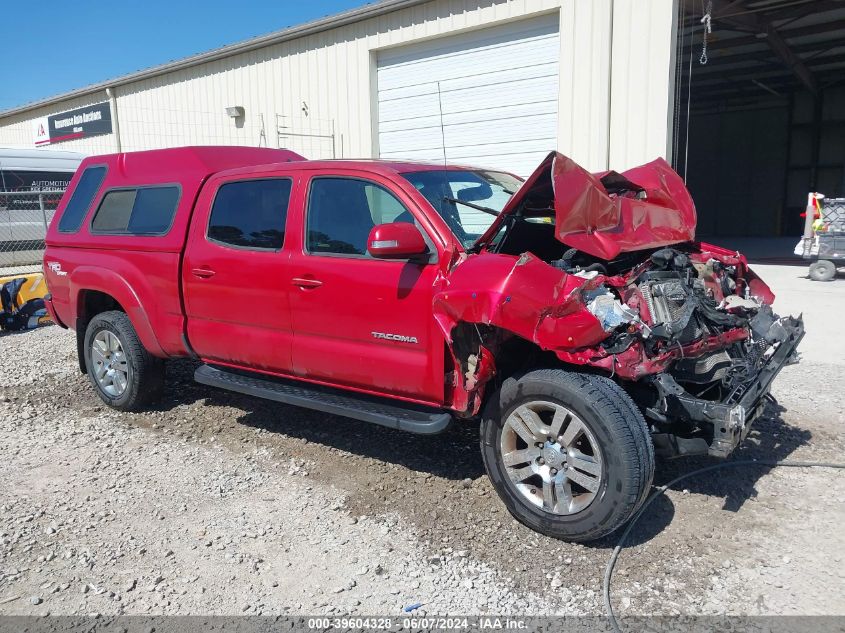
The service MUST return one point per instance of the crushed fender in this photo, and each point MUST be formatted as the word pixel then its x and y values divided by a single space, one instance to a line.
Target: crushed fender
pixel 529 299
pixel 672 306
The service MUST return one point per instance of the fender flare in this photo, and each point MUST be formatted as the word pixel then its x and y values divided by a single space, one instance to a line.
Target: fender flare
pixel 85 278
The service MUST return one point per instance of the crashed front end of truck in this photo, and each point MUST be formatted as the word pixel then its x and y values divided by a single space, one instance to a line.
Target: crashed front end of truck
pixel 601 271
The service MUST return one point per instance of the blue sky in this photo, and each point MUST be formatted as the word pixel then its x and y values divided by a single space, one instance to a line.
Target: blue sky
pixel 49 47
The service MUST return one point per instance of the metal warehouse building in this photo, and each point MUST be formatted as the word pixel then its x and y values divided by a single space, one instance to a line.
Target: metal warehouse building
pixel 499 83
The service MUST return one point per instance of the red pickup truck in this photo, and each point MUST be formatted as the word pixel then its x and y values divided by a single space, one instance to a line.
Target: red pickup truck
pixel 572 314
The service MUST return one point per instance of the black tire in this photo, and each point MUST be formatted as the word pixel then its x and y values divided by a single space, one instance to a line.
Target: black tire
pixel 145 382
pixel 822 270
pixel 645 447
pixel 618 428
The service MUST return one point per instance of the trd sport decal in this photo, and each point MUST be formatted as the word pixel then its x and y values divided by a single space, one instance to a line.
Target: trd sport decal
pixel 56 267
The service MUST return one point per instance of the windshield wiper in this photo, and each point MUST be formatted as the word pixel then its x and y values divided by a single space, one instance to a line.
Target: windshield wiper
pixel 472 205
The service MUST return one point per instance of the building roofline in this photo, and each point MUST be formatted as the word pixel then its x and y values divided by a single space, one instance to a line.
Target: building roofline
pixel 302 30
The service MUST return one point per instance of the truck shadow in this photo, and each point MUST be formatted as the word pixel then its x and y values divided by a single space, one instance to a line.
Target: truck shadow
pixel 771 439
pixel 454 455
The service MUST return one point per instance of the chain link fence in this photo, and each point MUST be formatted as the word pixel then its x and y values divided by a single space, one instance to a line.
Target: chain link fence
pixel 24 218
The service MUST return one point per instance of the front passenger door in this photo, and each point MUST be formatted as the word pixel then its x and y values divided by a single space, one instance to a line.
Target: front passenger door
pixel 358 321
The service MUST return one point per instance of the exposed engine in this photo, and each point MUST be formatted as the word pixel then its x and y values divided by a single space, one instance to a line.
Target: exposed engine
pixel 689 323
pixel 673 299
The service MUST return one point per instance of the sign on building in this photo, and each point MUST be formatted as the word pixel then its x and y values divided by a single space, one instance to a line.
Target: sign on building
pixel 91 120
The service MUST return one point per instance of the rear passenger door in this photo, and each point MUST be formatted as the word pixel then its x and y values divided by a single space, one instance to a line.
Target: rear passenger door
pixel 236 276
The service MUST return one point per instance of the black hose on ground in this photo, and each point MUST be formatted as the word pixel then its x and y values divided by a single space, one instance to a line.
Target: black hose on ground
pixel 608 572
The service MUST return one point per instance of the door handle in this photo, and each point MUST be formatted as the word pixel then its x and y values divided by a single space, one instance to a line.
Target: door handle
pixel 305 282
pixel 203 273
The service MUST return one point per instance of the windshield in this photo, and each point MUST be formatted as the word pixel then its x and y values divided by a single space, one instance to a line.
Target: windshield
pixel 467 199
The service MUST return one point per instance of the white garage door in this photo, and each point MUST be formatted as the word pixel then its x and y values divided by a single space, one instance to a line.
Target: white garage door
pixel 487 98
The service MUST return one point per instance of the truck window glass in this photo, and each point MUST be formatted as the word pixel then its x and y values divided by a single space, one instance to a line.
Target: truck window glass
pixel 251 214
pixel 442 188
pixel 153 210
pixel 144 211
pixel 384 207
pixel 342 211
pixel 81 198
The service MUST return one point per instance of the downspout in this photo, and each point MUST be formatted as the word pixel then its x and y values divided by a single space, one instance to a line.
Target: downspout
pixel 114 118
pixel 609 88
pixel 675 64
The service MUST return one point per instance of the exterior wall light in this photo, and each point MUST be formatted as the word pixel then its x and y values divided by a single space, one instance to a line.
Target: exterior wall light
pixel 235 112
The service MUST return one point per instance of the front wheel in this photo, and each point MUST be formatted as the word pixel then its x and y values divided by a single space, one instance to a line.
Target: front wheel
pixel 569 454
pixel 125 375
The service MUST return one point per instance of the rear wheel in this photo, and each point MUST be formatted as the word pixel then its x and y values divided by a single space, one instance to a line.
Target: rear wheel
pixel 566 453
pixel 125 375
pixel 822 270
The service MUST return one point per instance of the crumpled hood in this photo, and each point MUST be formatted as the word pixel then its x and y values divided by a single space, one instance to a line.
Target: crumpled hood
pixel 607 213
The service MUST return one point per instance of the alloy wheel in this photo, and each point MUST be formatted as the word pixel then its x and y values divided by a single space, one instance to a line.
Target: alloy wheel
pixel 551 457
pixel 111 368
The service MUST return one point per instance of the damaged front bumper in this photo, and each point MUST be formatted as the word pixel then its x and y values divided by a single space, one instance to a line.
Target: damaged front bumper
pixel 730 418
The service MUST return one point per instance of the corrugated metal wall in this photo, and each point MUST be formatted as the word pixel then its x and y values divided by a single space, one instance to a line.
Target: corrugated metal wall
pixel 642 81
pixel 613 105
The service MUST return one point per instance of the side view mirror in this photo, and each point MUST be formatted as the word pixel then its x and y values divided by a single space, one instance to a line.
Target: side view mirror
pixel 397 240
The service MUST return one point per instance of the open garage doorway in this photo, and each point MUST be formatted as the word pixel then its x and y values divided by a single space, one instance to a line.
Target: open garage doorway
pixel 759 112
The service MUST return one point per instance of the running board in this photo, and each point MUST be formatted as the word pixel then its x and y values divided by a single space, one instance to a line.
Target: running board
pixel 412 418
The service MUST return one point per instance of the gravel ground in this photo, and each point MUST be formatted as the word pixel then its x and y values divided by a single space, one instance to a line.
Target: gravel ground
pixel 216 503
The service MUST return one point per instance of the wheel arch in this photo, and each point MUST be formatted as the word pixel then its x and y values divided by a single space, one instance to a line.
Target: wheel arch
pixel 480 357
pixel 89 304
pixel 94 291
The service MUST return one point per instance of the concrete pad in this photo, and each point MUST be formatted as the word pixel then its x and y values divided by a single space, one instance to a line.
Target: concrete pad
pixel 760 248
pixel 823 305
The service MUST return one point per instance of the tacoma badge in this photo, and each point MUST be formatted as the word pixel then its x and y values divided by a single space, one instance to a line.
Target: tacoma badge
pixel 395 337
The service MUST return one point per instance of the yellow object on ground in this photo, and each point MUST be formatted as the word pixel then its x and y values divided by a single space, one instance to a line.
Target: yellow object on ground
pixel 34 287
